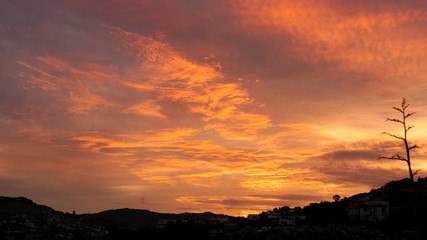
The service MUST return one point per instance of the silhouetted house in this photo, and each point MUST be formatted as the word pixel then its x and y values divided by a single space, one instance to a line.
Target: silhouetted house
pixel 218 219
pixel 290 220
pixel 216 232
pixel 162 223
pixel 274 216
pixel 231 225
pixel 253 216
pixel 199 221
pixel 286 221
pixel 285 216
pixel 364 209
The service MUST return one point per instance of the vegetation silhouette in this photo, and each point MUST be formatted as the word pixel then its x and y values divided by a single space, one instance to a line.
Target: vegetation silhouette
pixel 402 109
pixel 408 148
pixel 336 197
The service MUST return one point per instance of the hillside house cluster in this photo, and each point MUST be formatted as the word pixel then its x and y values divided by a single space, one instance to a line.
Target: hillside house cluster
pixel 368 210
pixel 283 216
pixel 224 220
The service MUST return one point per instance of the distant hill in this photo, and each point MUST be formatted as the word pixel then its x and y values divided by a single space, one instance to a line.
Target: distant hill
pixel 21 218
pixel 10 206
pixel 142 218
pixel 136 218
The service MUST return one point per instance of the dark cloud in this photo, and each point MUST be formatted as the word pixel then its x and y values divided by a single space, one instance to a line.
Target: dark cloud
pixel 143 200
pixel 290 196
pixel 358 163
pixel 351 155
pixel 238 202
pixel 373 177
pixel 367 150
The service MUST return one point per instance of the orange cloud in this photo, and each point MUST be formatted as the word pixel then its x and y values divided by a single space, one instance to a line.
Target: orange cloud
pixel 148 108
pixel 162 71
pixel 154 139
pixel 71 92
pixel 384 40
pixel 200 87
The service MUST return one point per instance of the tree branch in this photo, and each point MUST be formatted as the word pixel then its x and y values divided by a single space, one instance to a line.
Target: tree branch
pixel 404 105
pixel 415 146
pixel 416 172
pixel 409 114
pixel 394 120
pixel 392 135
pixel 395 157
pixel 398 109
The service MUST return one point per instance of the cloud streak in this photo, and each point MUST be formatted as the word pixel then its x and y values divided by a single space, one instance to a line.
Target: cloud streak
pixel 359 37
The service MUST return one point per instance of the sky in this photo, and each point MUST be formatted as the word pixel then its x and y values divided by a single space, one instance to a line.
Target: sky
pixel 228 106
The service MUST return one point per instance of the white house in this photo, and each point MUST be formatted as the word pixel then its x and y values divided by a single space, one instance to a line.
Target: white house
pixel 364 209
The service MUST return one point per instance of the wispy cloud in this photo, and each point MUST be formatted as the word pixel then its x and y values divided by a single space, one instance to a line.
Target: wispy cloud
pixel 381 38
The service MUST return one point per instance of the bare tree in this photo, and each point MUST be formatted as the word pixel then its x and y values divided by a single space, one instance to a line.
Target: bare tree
pixel 404 138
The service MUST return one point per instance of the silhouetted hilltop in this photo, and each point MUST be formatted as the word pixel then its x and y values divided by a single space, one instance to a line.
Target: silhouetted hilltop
pixel 398 194
pixel 398 191
pixel 143 218
pixel 16 206
pixel 20 205
pixel 21 218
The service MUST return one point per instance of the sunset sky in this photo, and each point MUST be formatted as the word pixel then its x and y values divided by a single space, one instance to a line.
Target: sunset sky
pixel 229 106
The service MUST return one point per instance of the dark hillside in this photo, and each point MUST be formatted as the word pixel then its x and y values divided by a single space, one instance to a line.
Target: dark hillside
pixel 135 218
pixel 20 205
pixel 21 218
